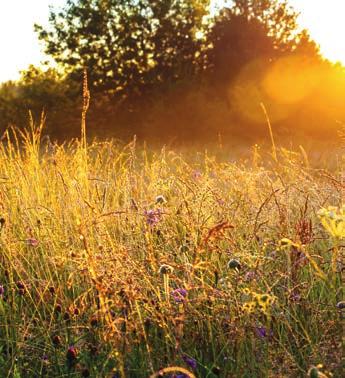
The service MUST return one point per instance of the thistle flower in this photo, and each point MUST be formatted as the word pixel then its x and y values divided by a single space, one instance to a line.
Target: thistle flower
pixel 191 362
pixel 249 276
pixel 32 242
pixel 153 216
pixel 179 295
pixel 221 202
pixel 295 296
pixel 21 288
pixel 262 332
pixel 45 358
pixel 20 285
pixel 71 354
pixel 196 174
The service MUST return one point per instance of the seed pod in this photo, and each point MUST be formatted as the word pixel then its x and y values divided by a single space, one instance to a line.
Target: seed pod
pixel 166 269
pixel 71 354
pixel 160 199
pixel 2 222
pixel 234 264
pixel 20 285
pixel 58 309
pixel 52 290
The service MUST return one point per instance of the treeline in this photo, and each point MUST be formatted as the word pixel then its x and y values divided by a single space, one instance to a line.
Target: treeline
pixel 171 69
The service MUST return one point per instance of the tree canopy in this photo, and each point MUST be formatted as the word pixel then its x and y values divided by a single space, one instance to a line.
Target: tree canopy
pixel 253 29
pixel 128 46
pixel 134 47
pixel 169 61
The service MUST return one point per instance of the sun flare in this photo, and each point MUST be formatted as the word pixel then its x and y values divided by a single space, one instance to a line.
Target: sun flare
pixel 324 20
pixel 325 24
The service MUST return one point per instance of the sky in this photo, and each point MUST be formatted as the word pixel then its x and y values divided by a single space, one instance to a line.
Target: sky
pixel 20 47
pixel 18 41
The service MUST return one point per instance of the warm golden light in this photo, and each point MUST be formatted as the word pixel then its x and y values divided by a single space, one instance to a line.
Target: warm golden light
pixel 291 83
pixel 249 92
pixel 325 22
pixel 323 19
pixel 290 80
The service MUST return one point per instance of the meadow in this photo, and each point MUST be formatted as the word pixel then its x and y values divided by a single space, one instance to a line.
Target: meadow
pixel 121 261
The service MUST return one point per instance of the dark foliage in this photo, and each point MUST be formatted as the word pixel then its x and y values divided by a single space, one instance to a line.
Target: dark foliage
pixel 130 47
pixel 167 69
pixel 38 92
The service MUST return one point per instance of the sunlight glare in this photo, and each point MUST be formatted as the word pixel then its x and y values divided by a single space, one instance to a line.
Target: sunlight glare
pixel 291 79
pixel 324 20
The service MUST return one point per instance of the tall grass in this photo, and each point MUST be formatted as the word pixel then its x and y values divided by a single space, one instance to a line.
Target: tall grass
pixel 144 263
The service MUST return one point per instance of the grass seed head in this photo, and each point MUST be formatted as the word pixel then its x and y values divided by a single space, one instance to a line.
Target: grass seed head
pixel 234 264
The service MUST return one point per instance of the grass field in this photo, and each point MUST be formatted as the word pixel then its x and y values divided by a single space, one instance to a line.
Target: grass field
pixel 117 261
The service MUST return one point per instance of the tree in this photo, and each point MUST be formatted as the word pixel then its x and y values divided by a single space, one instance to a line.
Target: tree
pixel 40 91
pixel 130 47
pixel 253 29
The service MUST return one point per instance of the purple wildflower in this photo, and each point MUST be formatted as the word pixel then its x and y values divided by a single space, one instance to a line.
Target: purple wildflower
pixel 32 242
pixel 262 332
pixel 191 362
pixel 196 174
pixel 71 354
pixel 179 295
pixel 153 216
pixel 221 202
pixel 45 358
pixel 249 276
pixel 295 297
